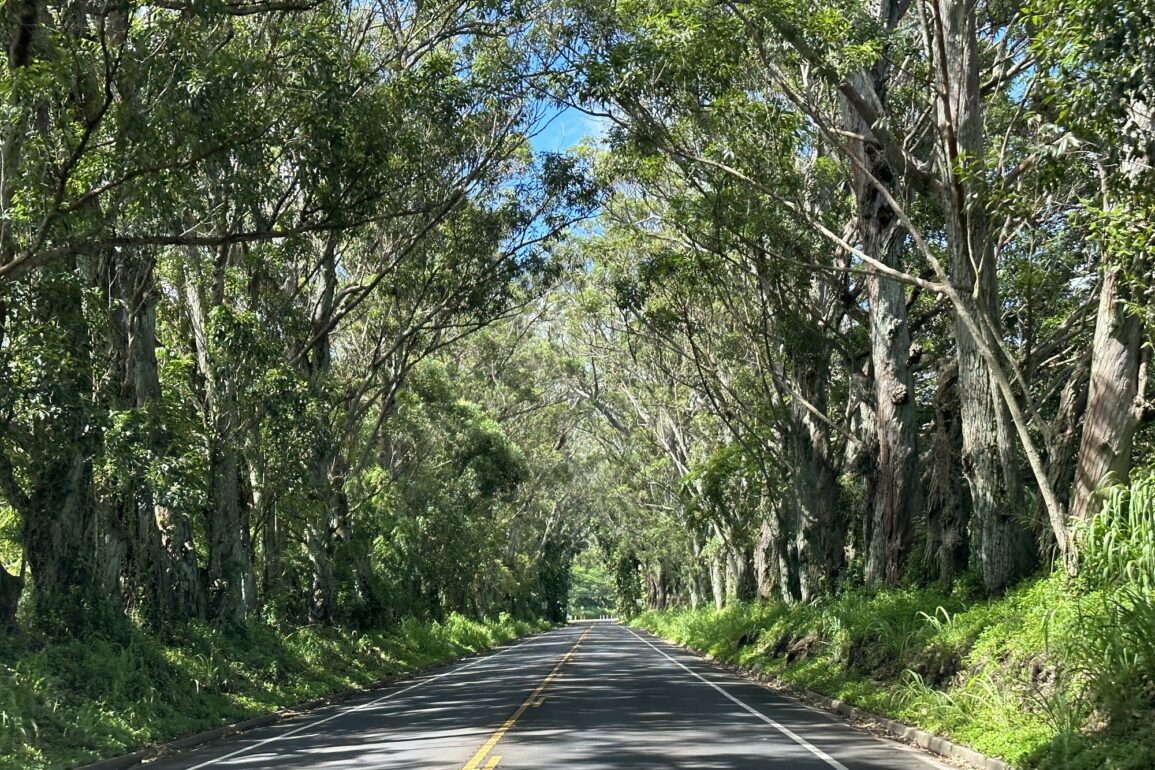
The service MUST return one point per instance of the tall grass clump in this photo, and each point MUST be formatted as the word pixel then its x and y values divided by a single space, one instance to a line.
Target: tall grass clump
pixel 1117 545
pixel 1117 553
pixel 1111 649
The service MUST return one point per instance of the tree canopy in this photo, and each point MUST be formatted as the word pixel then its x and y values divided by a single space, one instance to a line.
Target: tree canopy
pixel 298 324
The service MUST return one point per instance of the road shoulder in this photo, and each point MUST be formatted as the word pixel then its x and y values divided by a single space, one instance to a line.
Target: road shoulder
pixel 881 727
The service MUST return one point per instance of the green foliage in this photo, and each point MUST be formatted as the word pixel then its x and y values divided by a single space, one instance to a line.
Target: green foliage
pixel 441 542
pixel 591 590
pixel 1117 546
pixel 627 585
pixel 1114 653
pixel 1099 65
pixel 287 304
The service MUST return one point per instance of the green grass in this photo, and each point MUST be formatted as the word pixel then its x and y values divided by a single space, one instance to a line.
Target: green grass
pixel 64 704
pixel 1037 677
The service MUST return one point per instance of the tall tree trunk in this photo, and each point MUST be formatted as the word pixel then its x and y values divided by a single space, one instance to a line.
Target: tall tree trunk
pixel 163 562
pixel 989 458
pixel 231 591
pixel 814 489
pixel 319 545
pixel 1114 402
pixel 262 502
pixel 897 497
pixel 61 509
pixel 730 570
pixel 948 545
pixel 860 459
pixel 330 522
pixel 326 532
pixel 697 590
pixel 766 562
pixel 230 574
pixel 272 548
pixel 745 587
pixel 717 579
pixel 898 488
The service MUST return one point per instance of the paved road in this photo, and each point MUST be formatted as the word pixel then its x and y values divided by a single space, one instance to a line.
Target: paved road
pixel 592 696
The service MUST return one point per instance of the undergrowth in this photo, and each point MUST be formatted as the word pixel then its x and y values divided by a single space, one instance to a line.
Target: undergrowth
pixel 1058 674
pixel 1014 677
pixel 64 704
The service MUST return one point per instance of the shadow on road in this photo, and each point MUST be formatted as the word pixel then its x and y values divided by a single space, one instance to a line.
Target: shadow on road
pixel 621 705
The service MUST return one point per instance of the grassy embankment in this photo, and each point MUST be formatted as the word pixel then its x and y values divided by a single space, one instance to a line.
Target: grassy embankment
pixel 1052 676
pixel 67 703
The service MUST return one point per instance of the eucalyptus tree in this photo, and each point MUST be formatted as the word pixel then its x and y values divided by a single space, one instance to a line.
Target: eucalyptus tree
pixel 704 305
pixel 85 170
pixel 1096 96
pixel 898 496
pixel 921 160
pixel 731 135
pixel 649 427
pixel 282 210
pixel 521 371
pixel 903 103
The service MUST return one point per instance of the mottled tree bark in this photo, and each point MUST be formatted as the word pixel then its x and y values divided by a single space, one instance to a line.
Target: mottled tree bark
pixel 897 488
pixel 818 527
pixel 948 545
pixel 989 458
pixel 766 562
pixel 61 509
pixel 1115 396
pixel 717 581
pixel 325 533
pixel 897 497
pixel 162 560
pixel 331 523
pixel 697 591
pixel 745 586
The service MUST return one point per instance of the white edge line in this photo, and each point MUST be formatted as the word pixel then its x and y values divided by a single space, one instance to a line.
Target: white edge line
pixel 780 728
pixel 354 709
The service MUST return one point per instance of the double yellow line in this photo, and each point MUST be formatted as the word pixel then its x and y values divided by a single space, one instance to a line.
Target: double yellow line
pixel 535 699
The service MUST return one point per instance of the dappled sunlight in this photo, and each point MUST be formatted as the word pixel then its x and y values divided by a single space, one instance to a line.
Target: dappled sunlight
pixel 621 705
pixel 614 702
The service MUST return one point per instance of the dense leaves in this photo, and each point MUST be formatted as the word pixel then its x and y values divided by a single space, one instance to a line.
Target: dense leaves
pixel 296 322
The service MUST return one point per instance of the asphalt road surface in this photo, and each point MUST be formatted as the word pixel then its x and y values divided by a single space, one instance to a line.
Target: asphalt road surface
pixel 589 695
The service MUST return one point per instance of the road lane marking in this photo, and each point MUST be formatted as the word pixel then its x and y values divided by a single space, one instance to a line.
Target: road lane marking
pixel 363 706
pixel 492 763
pixel 755 712
pixel 476 760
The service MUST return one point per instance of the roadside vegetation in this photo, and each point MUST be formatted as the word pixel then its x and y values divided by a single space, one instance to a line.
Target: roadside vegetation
pixel 1055 675
pixel 67 703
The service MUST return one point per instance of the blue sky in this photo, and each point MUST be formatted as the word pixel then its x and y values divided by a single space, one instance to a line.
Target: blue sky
pixel 564 128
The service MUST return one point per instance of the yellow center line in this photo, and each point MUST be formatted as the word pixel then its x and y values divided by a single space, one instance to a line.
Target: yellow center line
pixel 487 747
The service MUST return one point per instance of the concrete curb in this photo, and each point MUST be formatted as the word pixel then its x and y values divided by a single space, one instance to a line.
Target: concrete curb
pixel 936 744
pixel 160 750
